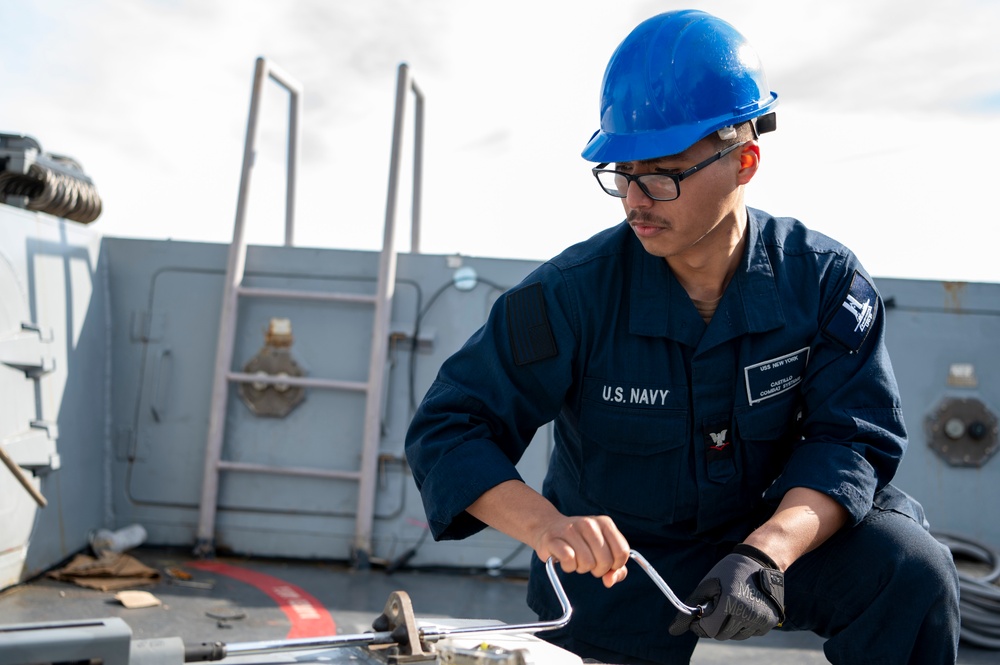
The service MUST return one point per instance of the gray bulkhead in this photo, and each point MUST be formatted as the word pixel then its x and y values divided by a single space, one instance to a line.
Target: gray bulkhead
pixel 107 347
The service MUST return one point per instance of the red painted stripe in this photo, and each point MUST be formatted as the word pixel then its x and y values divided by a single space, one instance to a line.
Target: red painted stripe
pixel 307 615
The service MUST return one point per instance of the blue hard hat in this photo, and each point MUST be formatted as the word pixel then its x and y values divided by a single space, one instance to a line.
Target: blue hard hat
pixel 675 79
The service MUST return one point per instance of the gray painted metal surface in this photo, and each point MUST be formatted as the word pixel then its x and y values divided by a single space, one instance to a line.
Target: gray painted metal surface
pixel 164 327
pixel 107 347
pixel 944 339
pixel 55 386
pixel 124 412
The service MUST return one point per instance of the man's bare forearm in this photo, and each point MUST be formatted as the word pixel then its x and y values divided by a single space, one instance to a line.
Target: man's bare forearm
pixel 515 509
pixel 804 520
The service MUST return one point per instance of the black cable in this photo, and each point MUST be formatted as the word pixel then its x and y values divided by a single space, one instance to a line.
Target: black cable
pixel 403 559
pixel 421 313
pixel 979 599
pixel 414 342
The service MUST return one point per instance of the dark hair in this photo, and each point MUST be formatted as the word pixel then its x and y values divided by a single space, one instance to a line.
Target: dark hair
pixel 744 132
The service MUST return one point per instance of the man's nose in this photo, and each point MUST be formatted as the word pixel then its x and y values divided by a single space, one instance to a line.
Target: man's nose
pixel 635 197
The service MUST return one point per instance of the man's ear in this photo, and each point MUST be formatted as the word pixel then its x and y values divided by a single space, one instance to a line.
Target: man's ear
pixel 749 162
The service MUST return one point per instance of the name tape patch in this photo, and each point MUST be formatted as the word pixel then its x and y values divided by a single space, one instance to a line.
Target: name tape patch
pixel 853 320
pixel 531 337
pixel 775 376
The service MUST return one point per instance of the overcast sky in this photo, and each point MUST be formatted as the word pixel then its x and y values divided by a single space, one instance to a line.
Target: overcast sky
pixel 889 118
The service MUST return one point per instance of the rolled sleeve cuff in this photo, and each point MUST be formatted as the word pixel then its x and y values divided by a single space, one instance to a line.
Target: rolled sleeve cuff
pixel 457 481
pixel 833 469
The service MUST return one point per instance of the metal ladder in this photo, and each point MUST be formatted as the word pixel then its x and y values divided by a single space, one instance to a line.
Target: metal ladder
pixel 366 476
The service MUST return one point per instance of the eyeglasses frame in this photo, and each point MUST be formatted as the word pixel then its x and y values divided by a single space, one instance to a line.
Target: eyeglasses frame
pixel 676 177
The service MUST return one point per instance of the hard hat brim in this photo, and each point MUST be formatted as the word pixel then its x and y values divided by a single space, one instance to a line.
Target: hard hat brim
pixel 637 146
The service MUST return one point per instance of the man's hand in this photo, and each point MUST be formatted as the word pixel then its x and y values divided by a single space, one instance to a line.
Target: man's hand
pixel 745 593
pixel 585 544
pixel 581 544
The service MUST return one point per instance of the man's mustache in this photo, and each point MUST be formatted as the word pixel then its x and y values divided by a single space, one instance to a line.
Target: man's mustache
pixel 646 218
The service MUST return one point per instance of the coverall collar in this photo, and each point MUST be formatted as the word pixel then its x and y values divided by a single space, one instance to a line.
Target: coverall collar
pixel 660 307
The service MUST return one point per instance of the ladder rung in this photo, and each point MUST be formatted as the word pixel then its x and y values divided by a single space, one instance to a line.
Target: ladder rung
pixel 259 292
pixel 298 381
pixel 289 470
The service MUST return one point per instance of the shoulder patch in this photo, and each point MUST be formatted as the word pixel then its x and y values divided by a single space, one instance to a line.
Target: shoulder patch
pixel 530 332
pixel 853 320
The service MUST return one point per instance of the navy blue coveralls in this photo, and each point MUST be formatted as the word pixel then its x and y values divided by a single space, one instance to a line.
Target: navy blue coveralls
pixel 687 435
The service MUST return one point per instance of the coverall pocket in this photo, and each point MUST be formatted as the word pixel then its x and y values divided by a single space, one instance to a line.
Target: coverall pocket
pixel 765 433
pixel 633 458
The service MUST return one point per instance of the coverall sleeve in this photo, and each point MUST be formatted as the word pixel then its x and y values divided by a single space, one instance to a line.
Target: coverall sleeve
pixel 853 433
pixel 489 399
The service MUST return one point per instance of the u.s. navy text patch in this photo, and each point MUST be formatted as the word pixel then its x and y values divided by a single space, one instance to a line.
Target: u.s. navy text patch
pixel 855 317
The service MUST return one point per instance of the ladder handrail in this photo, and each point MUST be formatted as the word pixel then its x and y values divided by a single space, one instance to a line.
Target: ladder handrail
pixel 380 331
pixel 382 300
pixel 418 165
pixel 235 269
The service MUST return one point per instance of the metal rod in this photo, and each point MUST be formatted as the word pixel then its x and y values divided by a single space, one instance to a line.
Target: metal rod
pixel 418 168
pixel 535 627
pixel 297 381
pixel 261 292
pixel 294 144
pixel 22 478
pixel 430 634
pixel 662 586
pixel 235 267
pixel 248 467
pixel 384 290
pixel 333 641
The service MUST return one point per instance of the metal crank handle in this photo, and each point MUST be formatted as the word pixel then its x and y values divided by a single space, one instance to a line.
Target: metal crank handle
pixel 697 611
pixel 535 627
pixel 219 650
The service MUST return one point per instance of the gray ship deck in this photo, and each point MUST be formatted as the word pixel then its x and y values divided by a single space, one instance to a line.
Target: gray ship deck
pixel 233 601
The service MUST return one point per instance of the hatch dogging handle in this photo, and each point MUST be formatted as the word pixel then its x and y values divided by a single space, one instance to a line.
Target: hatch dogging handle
pixel 218 650
pixel 211 651
pixel 696 611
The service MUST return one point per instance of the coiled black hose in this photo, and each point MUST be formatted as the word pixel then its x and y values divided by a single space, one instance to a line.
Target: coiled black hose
pixel 53 188
pixel 979 603
pixel 45 182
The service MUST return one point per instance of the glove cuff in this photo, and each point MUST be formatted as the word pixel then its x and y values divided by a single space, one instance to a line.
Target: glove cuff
pixel 755 554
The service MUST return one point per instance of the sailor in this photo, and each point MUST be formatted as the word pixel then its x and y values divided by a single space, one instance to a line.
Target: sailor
pixel 722 397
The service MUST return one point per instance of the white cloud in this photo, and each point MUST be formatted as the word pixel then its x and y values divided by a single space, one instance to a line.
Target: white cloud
pixel 884 115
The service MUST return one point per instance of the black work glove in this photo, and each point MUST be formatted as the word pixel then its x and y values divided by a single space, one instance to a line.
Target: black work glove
pixel 744 596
